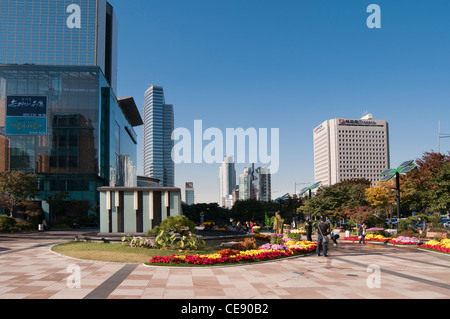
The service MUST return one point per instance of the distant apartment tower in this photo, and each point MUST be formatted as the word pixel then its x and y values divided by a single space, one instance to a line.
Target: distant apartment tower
pixel 227 179
pixel 255 184
pixel 158 143
pixel 351 149
pixel 189 193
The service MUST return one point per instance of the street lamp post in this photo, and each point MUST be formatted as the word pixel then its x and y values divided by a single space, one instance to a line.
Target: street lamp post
pixel 295 187
pixel 309 189
pixel 390 173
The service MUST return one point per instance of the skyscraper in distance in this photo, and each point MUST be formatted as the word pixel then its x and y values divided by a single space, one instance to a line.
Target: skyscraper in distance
pixel 157 139
pixel 350 149
pixel 227 179
pixel 189 192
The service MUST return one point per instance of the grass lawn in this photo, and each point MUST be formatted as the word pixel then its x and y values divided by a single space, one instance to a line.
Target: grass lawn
pixel 118 252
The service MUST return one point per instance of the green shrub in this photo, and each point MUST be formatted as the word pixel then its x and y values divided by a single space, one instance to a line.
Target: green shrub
pixel 7 224
pixel 175 224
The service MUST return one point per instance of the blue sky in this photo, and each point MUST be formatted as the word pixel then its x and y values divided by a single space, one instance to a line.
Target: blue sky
pixel 290 64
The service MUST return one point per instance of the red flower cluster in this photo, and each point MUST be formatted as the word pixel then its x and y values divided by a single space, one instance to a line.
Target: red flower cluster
pixel 228 252
pixel 394 242
pixel 436 247
pixel 229 257
pixel 351 238
pixel 262 237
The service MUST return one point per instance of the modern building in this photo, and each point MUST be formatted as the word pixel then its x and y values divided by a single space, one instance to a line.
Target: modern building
pixel 51 32
pixel 246 189
pixel 158 143
pixel 350 149
pixel 59 114
pixel 189 193
pixel 255 183
pixel 264 184
pixel 227 179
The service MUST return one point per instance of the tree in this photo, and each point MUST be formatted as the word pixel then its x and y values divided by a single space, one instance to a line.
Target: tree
pixel 333 201
pixel 361 214
pixel 382 197
pixel 426 189
pixel 16 188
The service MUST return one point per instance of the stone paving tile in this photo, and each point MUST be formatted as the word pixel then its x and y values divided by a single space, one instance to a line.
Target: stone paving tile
pixel 33 272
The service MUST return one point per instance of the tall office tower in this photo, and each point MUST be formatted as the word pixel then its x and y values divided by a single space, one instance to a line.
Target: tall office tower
pixel 59 115
pixel 189 192
pixel 62 33
pixel 227 179
pixel 264 192
pixel 350 148
pixel 158 143
pixel 245 184
pixel 255 184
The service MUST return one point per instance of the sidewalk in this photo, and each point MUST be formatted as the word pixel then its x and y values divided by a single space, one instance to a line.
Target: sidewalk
pixel 30 270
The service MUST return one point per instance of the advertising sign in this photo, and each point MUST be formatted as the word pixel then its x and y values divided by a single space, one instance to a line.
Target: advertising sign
pixel 26 115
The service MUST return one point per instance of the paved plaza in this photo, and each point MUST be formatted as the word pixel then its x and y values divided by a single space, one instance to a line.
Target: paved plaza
pixel 30 270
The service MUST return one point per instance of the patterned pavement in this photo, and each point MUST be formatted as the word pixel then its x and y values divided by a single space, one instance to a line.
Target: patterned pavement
pixel 30 270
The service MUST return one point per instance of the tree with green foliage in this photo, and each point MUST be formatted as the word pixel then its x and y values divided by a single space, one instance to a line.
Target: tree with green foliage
pixel 335 200
pixel 16 188
pixel 427 188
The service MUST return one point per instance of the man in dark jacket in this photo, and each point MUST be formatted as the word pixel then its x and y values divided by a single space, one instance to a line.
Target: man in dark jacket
pixel 323 230
pixel 362 233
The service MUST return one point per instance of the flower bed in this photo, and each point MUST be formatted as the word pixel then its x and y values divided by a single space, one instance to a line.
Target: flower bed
pixel 369 237
pixel 443 245
pixel 378 238
pixel 351 238
pixel 226 256
pixel 262 237
pixel 402 240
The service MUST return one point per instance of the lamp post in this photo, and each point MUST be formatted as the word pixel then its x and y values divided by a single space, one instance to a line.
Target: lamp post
pixel 295 187
pixel 309 189
pixel 441 136
pixel 390 173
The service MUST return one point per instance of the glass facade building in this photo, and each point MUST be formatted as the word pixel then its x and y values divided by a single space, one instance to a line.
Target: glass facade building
pixel 59 32
pixel 158 143
pixel 59 115
pixel 77 142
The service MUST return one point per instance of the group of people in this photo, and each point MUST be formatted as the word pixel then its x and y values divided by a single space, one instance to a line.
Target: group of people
pixel 323 230
pixel 247 226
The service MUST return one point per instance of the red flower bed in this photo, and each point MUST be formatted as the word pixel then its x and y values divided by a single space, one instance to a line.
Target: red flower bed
pixel 229 257
pixel 436 247
pixel 351 238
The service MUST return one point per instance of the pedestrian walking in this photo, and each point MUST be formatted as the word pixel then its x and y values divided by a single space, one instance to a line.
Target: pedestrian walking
pixel 308 228
pixel 322 236
pixel 362 233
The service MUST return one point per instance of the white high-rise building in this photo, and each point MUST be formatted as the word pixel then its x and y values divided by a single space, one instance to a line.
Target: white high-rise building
pixel 350 149
pixel 227 179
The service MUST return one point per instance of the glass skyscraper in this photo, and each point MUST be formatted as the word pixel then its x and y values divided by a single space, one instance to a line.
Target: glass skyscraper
pixel 227 179
pixel 59 32
pixel 189 193
pixel 59 116
pixel 158 143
